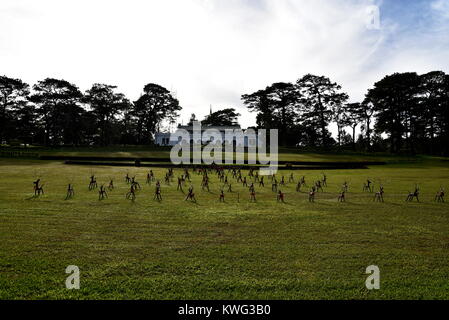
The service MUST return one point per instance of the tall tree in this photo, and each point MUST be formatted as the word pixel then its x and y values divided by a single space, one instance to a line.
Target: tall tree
pixel 341 117
pixel 13 95
pixel 128 126
pixel 367 110
pixel 225 117
pixel 318 96
pixel 106 105
pixel 25 124
pixel 355 114
pixel 432 98
pixel 259 102
pixel 395 101
pixel 443 118
pixel 154 106
pixel 276 108
pixel 283 97
pixel 57 102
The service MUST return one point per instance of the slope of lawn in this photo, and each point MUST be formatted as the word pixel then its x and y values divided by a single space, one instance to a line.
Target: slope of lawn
pixel 285 154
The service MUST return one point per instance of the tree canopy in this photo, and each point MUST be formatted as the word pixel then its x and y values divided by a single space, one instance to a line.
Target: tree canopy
pixel 106 105
pixel 225 117
pixel 155 105
pixel 13 97
pixel 58 108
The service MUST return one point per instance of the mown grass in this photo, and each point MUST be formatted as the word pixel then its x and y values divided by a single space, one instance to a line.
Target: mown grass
pixel 209 250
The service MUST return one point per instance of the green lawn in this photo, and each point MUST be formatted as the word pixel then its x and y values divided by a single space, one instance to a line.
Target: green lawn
pixel 209 250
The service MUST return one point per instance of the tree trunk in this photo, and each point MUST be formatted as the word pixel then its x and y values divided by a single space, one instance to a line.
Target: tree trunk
pixel 432 134
pixel 283 128
pixel 353 136
pixel 3 119
pixel 323 122
pixel 47 131
pixel 368 134
pixel 339 134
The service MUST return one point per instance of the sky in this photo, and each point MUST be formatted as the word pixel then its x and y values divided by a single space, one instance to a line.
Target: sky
pixel 210 52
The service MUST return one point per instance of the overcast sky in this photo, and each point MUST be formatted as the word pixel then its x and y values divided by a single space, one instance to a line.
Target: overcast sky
pixel 210 52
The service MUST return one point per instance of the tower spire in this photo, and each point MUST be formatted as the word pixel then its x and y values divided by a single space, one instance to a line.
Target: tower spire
pixel 210 110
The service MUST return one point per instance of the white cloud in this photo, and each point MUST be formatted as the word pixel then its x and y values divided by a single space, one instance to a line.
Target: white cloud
pixel 442 7
pixel 209 51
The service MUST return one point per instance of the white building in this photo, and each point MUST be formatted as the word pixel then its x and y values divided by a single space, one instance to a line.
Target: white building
pixel 167 139
pixel 163 139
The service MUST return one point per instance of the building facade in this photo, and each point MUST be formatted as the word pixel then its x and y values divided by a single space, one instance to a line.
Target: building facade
pixel 168 139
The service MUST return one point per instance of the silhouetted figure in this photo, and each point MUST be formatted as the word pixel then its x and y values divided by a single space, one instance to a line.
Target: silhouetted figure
pixel 191 195
pixel 319 186
pixel 280 196
pixel 252 196
pixel 150 177
pixel 298 186
pixel 342 196
pixel 291 178
pixel 239 177
pixel 135 184
pixel 379 196
pixel 111 185
pixel 274 185
pixel 36 186
pixel 412 195
pixel 324 180
pixel 261 182
pixel 205 183
pixel 440 195
pixel 102 193
pixel 187 174
pixel 312 194
pixel 367 186
pixel 179 187
pixel 167 179
pixel 93 183
pixel 157 193
pixel 70 192
pixel 131 194
pixel 282 183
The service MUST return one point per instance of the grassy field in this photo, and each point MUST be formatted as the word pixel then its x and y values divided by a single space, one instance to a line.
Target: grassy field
pixel 210 250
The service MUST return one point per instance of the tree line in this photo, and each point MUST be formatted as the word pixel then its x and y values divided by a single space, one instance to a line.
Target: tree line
pixel 55 112
pixel 403 112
